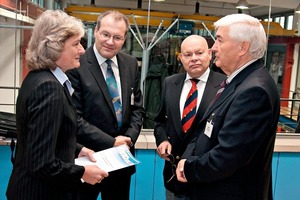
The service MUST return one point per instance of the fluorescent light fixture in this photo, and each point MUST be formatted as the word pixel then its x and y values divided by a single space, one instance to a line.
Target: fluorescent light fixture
pixel 297 10
pixel 158 0
pixel 242 4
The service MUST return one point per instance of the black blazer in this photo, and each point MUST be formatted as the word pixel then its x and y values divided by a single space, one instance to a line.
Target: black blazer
pixel 97 119
pixel 168 121
pixel 46 132
pixel 234 162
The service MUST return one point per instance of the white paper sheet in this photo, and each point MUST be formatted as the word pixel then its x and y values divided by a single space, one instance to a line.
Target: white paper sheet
pixel 110 159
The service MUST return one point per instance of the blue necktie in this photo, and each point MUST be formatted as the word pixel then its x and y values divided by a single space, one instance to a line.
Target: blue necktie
pixel 113 91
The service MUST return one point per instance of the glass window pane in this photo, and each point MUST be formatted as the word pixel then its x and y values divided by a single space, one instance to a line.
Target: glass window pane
pixel 289 24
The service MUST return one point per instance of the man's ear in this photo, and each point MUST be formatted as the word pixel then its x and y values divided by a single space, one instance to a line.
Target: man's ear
pixel 179 57
pixel 209 51
pixel 244 47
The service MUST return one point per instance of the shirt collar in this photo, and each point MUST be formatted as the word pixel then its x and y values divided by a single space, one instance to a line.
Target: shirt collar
pixel 236 72
pixel 101 59
pixel 60 75
pixel 202 78
pixel 62 78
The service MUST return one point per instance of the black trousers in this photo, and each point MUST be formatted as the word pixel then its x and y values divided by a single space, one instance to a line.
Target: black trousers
pixel 115 187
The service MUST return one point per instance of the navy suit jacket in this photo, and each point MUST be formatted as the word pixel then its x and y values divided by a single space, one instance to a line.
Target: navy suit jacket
pixel 46 132
pixel 96 115
pixel 168 121
pixel 233 161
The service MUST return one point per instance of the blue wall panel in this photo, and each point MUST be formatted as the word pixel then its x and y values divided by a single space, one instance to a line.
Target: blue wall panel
pixel 5 169
pixel 158 184
pixel 275 162
pixel 145 175
pixel 288 177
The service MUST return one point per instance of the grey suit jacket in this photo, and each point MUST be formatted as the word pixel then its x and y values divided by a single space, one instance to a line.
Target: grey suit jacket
pixel 233 161
pixel 46 132
pixel 96 115
pixel 168 121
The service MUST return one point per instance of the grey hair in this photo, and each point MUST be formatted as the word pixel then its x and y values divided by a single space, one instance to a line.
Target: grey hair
pixel 50 31
pixel 243 27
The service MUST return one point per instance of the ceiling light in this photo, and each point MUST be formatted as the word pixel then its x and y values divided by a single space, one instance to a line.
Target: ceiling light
pixel 297 10
pixel 158 0
pixel 242 4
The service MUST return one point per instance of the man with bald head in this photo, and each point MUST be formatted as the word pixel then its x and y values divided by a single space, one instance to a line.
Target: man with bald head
pixel 174 128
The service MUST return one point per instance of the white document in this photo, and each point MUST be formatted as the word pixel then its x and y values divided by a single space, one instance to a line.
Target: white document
pixel 110 159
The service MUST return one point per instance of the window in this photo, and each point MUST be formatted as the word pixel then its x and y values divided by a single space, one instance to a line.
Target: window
pixel 289 22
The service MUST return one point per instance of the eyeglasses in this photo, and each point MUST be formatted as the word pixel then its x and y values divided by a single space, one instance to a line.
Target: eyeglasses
pixel 189 55
pixel 107 36
pixel 173 167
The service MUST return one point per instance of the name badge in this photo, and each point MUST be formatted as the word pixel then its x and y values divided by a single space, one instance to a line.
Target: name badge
pixel 208 128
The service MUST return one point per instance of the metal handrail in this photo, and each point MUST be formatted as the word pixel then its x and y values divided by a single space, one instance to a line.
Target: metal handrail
pixel 293 112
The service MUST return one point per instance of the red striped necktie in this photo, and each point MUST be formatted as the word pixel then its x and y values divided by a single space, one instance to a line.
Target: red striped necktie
pixel 190 107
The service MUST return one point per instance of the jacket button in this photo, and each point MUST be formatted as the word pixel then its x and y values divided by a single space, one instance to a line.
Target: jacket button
pixel 177 157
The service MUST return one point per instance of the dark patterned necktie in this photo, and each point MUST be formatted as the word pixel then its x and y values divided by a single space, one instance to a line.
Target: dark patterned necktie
pixel 190 107
pixel 114 92
pixel 219 92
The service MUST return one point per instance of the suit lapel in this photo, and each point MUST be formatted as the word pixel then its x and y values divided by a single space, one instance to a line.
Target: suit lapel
pixel 210 90
pixel 99 78
pixel 175 102
pixel 67 93
pixel 125 80
pixel 231 87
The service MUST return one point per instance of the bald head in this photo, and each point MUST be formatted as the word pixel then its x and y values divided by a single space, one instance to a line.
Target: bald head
pixel 194 40
pixel 195 55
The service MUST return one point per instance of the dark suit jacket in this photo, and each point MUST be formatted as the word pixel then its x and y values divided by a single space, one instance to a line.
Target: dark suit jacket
pixel 46 132
pixel 97 119
pixel 235 161
pixel 168 121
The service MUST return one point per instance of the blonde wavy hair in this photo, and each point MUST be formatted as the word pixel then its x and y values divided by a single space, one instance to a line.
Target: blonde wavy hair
pixel 50 31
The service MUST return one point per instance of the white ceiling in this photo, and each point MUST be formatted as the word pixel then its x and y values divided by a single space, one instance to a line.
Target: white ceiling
pixel 207 7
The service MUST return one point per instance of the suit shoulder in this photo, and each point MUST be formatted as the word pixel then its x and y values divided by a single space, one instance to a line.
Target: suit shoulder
pixel 40 76
pixel 215 78
pixel 126 58
pixel 217 75
pixel 125 55
pixel 127 61
pixel 87 55
pixel 176 77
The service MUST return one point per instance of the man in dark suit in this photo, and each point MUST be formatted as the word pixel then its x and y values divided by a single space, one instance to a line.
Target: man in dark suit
pixel 232 156
pixel 170 137
pixel 101 126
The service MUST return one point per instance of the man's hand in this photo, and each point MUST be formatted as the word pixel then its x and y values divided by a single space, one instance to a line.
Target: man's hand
pixel 164 150
pixel 87 152
pixel 180 171
pixel 93 174
pixel 123 140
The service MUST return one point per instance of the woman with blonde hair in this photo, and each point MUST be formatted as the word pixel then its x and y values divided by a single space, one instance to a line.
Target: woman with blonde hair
pixel 46 117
